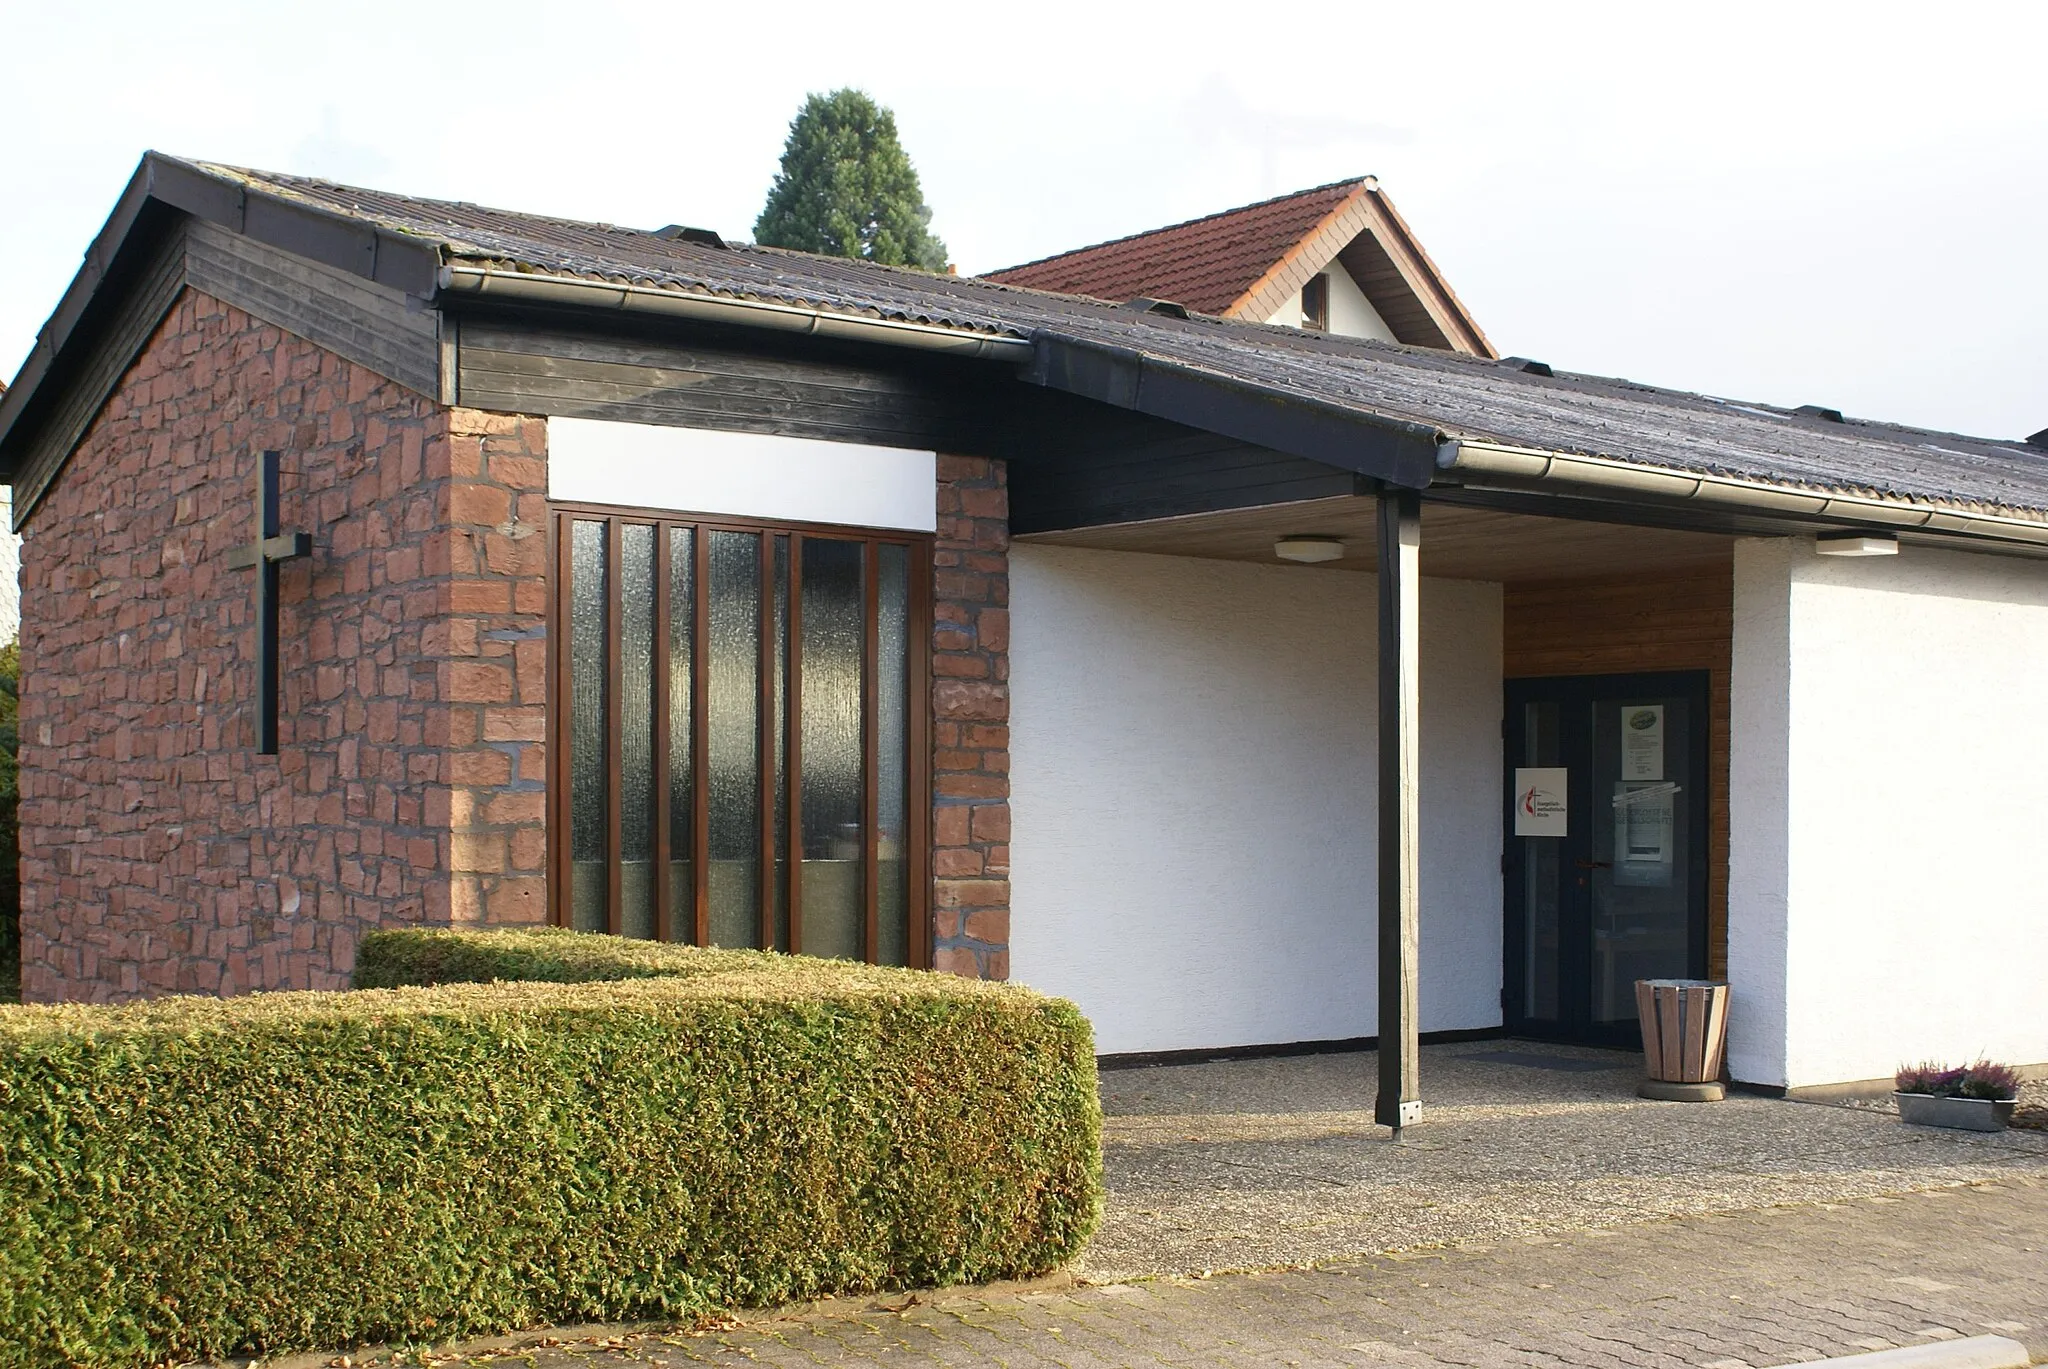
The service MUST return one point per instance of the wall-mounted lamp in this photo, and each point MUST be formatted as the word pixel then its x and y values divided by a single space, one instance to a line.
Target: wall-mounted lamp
pixel 1309 550
pixel 1856 544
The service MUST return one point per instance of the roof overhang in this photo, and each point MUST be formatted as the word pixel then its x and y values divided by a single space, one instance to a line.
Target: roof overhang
pixel 1387 449
pixel 1392 450
pixel 163 186
pixel 1483 465
pixel 1343 436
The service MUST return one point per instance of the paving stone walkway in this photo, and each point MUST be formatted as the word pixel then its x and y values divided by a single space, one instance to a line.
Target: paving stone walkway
pixel 1763 1287
pixel 1541 1215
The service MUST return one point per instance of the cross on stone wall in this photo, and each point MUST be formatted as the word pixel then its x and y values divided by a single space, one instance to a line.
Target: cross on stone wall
pixel 266 552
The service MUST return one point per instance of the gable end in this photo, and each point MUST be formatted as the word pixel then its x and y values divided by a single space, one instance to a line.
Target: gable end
pixel 370 325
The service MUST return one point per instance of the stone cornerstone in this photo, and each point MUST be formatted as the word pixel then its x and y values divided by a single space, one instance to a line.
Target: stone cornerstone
pixel 971 720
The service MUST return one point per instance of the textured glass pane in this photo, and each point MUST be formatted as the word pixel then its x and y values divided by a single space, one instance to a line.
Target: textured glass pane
pixel 682 580
pixel 780 764
pixel 588 824
pixel 636 730
pixel 892 721
pixel 833 612
pixel 735 741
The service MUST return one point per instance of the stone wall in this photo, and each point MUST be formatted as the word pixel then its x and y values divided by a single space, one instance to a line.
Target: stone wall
pixel 160 853
pixel 971 720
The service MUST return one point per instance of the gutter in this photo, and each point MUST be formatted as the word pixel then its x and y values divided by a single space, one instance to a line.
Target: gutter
pixel 1519 468
pixel 577 292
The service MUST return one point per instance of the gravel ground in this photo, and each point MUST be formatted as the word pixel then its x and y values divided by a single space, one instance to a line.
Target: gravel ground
pixel 1256 1164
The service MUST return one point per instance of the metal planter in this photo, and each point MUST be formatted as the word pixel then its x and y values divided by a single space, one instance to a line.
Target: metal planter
pixel 1964 1114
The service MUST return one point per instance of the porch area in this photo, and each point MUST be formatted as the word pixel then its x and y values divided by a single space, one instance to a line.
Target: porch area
pixel 1257 1163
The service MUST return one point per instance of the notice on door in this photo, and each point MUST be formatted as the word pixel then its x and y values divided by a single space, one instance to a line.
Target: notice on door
pixel 1642 742
pixel 1644 826
pixel 1540 801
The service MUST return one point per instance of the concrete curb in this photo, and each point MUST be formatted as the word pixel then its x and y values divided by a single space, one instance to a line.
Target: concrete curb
pixel 599 1334
pixel 1977 1352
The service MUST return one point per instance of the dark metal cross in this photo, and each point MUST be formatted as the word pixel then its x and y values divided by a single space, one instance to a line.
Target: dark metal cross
pixel 265 553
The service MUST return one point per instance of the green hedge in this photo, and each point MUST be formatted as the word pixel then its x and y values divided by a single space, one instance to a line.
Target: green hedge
pixel 417 956
pixel 198 1177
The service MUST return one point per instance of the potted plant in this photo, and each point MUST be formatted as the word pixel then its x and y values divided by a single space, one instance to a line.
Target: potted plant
pixel 1978 1097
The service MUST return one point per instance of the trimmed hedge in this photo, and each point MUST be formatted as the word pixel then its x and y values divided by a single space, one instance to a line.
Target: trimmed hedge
pixel 198 1177
pixel 414 956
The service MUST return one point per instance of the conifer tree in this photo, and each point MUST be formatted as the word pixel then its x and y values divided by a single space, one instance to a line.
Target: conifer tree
pixel 847 189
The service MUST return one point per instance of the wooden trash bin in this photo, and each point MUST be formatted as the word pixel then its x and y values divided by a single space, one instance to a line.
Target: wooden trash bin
pixel 1685 1034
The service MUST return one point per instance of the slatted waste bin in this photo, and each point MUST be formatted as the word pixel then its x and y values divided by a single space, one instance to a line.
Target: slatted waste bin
pixel 1685 1033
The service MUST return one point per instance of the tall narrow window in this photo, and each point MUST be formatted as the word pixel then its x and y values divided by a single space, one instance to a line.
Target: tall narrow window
pixel 738 745
pixel 735 759
pixel 1315 303
pixel 589 789
pixel 636 730
pixel 832 794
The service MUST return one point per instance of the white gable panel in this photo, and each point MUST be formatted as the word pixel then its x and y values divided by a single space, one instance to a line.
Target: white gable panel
pixel 1351 313
pixel 742 475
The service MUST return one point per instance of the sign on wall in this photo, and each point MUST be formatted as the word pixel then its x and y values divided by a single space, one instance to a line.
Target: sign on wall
pixel 1540 801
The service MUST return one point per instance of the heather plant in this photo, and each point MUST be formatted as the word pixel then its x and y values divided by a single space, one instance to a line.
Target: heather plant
pixel 1983 1079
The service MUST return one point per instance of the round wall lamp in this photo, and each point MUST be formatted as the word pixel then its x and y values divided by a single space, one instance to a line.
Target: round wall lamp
pixel 1309 550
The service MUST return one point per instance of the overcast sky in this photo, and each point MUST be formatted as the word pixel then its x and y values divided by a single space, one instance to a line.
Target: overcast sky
pixel 1798 203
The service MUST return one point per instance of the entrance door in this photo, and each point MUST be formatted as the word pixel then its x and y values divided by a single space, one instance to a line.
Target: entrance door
pixel 1606 872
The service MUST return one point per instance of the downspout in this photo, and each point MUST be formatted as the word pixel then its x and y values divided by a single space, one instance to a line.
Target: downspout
pixel 1495 465
pixel 579 293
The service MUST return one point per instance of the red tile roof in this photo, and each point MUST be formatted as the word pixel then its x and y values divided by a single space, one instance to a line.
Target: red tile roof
pixel 1207 264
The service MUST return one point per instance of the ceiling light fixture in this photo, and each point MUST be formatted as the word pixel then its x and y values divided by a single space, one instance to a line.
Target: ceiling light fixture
pixel 1309 550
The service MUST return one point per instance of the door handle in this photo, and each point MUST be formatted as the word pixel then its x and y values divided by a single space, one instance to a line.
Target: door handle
pixel 1594 864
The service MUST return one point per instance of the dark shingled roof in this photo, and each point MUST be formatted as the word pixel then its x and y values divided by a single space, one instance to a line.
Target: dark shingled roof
pixel 1459 396
pixel 1208 264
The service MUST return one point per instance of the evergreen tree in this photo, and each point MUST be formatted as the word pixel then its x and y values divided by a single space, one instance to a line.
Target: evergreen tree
pixel 847 189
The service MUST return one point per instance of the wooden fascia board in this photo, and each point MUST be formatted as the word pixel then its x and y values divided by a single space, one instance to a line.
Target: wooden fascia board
pixel 1393 450
pixel 1308 256
pixel 71 310
pixel 397 261
pixel 165 191
pixel 1422 277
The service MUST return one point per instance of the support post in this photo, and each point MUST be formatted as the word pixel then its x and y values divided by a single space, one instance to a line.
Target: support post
pixel 1400 544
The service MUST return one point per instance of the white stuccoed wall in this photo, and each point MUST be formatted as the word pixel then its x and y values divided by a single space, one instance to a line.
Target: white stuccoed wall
pixel 1889 810
pixel 1192 754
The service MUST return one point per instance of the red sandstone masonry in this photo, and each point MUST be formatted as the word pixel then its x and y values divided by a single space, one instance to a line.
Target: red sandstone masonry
pixel 159 852
pixel 971 720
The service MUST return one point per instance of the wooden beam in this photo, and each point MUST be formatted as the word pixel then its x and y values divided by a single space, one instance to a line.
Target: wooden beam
pixel 1400 545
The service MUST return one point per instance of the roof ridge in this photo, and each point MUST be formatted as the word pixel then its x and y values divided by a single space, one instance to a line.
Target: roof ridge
pixel 286 181
pixel 1348 181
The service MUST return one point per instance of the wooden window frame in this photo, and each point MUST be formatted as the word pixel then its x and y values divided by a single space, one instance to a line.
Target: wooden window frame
pixel 916 837
pixel 1318 319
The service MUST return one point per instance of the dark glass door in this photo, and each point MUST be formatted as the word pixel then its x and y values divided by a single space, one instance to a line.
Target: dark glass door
pixel 1606 840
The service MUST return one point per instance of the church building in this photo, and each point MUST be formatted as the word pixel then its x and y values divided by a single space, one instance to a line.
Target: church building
pixel 1257 665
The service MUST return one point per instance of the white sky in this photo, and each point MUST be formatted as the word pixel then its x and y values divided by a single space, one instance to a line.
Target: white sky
pixel 1842 204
